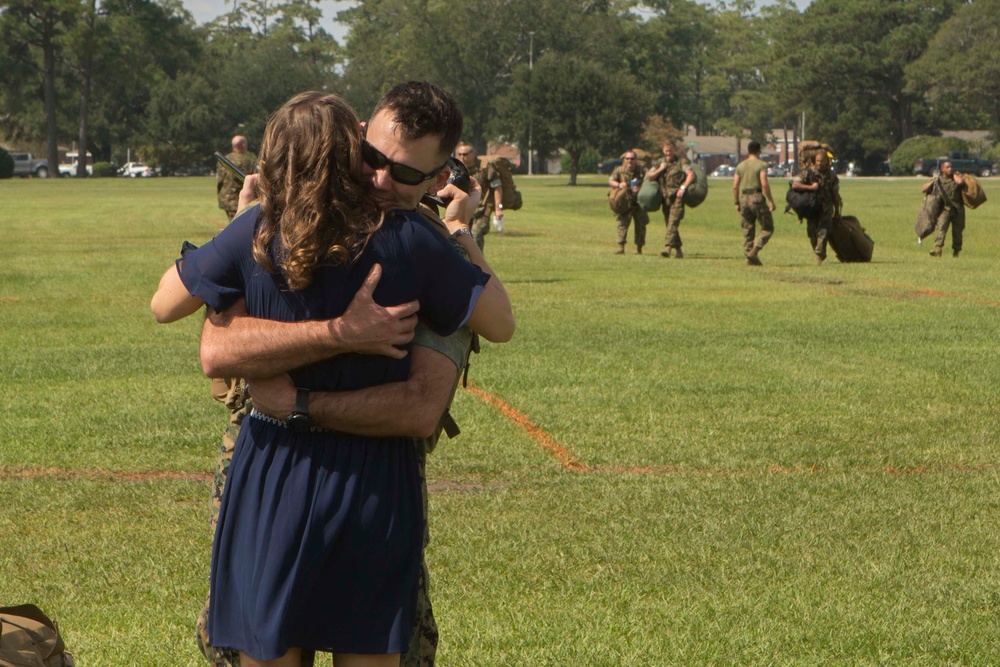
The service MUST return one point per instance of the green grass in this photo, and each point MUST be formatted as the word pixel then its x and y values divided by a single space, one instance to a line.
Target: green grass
pixel 785 465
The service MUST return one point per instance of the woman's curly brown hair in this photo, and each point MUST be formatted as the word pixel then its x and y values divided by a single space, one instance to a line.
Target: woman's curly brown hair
pixel 314 208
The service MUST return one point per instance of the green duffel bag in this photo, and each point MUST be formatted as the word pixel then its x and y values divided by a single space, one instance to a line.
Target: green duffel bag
pixel 696 192
pixel 650 197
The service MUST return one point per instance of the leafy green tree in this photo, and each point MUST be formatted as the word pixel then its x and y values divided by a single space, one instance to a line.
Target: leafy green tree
pixel 33 31
pixel 673 52
pixel 844 61
pixel 576 105
pixel 960 70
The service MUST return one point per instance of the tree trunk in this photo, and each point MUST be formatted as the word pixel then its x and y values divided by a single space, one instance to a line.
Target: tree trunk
pixel 49 87
pixel 574 165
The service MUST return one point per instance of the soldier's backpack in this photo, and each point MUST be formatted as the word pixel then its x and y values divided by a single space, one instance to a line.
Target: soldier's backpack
pixel 510 197
pixel 29 638
pixel 650 196
pixel 973 194
pixel 697 190
pixel 619 200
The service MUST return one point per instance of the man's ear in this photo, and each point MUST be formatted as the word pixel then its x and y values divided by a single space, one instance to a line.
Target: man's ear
pixel 440 180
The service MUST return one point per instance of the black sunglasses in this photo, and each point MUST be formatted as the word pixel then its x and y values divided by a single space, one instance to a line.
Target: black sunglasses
pixel 401 173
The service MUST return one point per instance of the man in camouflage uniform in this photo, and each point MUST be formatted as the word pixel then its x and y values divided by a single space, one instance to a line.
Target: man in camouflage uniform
pixel 950 185
pixel 819 177
pixel 227 188
pixel 750 187
pixel 491 203
pixel 432 383
pixel 628 176
pixel 675 175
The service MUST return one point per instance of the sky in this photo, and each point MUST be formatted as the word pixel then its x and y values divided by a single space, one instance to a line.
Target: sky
pixel 206 10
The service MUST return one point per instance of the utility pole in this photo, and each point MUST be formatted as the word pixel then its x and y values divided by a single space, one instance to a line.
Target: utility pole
pixel 531 67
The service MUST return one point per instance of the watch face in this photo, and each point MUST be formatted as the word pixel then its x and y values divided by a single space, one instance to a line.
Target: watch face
pixel 298 422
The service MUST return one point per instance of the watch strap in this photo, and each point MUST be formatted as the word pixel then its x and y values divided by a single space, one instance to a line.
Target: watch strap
pixel 302 401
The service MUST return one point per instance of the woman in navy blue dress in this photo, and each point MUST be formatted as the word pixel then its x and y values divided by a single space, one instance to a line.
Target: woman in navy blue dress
pixel 319 536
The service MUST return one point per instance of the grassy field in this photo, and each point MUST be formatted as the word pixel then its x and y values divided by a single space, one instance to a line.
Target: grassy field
pixel 675 462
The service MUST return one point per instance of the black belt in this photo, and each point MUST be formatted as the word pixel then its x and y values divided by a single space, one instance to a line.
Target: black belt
pixel 751 191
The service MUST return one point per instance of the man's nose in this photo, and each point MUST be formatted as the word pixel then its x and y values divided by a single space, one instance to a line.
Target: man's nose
pixel 380 178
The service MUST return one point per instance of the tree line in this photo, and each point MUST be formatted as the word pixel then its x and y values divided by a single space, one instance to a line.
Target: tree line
pixel 578 75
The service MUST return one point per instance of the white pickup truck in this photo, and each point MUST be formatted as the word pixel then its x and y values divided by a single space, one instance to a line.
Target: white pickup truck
pixel 26 164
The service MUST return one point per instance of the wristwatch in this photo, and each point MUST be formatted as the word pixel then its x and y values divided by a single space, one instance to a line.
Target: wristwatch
pixel 299 420
pixel 461 231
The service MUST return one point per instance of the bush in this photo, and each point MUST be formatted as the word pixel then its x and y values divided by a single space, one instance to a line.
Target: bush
pixel 103 170
pixel 902 159
pixel 6 164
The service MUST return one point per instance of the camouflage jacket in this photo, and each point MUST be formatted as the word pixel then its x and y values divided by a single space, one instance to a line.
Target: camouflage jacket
pixel 673 177
pixel 226 187
pixel 623 174
pixel 489 181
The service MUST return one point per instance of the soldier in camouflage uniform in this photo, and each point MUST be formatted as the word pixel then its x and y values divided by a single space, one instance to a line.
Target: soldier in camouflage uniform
pixel 750 187
pixel 819 177
pixel 489 180
pixel 950 186
pixel 675 175
pixel 628 176
pixel 227 188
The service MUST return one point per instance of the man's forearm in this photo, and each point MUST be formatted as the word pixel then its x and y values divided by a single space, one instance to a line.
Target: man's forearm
pixel 412 408
pixel 235 345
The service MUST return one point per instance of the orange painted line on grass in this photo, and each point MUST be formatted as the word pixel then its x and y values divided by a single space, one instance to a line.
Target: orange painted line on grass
pixel 570 462
pixel 10 472
pixel 927 291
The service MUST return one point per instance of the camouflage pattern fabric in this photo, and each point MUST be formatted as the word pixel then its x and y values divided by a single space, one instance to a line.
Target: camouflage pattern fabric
pixel 952 216
pixel 753 209
pixel 673 206
pixel 227 188
pixel 623 174
pixel 488 180
pixel 819 228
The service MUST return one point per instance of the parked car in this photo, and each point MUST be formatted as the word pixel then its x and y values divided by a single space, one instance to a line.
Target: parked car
pixel 965 163
pixel 724 170
pixel 136 170
pixel 608 166
pixel 776 171
pixel 26 164
pixel 70 169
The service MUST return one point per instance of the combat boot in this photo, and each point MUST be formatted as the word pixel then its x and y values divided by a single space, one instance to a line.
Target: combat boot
pixel 638 250
pixel 817 260
pixel 954 253
pixel 665 253
pixel 678 254
pixel 752 258
pixel 936 252
pixel 621 249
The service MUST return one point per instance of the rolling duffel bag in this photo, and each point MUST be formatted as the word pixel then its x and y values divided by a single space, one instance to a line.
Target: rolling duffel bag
pixel 849 240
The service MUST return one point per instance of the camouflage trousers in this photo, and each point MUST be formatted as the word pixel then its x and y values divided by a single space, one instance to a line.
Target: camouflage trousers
pixel 641 218
pixel 955 219
pixel 753 209
pixel 673 213
pixel 818 230
pixel 424 638
pixel 480 226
